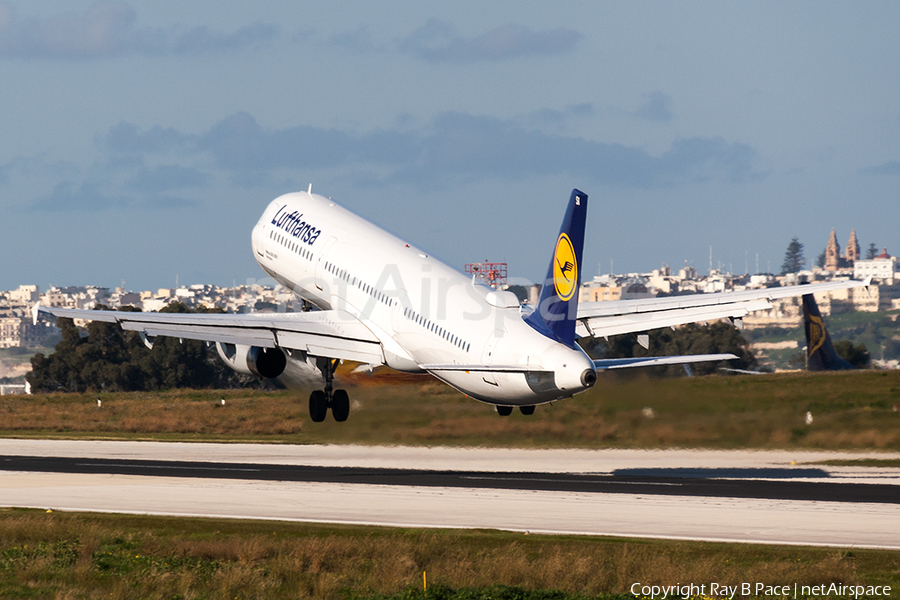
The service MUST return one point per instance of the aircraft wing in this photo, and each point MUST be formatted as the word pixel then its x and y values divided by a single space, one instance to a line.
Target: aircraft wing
pixel 601 319
pixel 329 333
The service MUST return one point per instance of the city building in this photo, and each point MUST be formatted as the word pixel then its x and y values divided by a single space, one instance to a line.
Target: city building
pixel 882 267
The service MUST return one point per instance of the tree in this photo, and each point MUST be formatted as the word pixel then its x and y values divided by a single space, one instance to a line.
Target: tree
pixel 716 338
pixel 871 251
pixel 793 257
pixel 108 358
pixel 855 354
pixel 820 261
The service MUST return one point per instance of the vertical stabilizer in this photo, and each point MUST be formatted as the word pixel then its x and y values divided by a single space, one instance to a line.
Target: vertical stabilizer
pixel 820 353
pixel 555 313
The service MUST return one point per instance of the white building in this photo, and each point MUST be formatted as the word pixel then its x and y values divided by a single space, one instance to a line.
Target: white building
pixel 25 294
pixel 883 266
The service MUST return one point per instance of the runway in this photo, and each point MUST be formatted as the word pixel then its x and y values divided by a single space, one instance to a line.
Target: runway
pixel 710 495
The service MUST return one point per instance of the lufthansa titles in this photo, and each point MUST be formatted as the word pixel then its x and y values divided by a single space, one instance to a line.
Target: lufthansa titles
pixel 295 226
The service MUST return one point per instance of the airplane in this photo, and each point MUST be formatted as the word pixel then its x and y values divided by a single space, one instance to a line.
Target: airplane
pixel 383 302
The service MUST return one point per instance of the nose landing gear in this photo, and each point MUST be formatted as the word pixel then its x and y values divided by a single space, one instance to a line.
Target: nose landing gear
pixel 321 400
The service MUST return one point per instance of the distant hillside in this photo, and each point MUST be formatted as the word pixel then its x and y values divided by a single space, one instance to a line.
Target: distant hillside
pixel 879 331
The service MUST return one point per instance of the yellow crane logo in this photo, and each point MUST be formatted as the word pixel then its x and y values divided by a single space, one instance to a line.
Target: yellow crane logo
pixel 565 268
pixel 816 334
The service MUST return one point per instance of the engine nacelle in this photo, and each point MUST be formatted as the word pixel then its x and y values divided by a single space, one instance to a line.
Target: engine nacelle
pixel 253 360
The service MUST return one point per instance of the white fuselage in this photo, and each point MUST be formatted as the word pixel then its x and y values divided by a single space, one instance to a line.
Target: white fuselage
pixel 423 311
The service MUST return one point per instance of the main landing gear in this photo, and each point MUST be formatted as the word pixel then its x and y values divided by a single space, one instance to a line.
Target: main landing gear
pixel 321 400
pixel 505 411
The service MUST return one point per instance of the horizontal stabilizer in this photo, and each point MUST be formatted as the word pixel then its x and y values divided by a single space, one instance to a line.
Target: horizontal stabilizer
pixel 655 361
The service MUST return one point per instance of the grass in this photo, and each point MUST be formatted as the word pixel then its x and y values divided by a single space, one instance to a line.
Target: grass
pixel 62 555
pixel 851 410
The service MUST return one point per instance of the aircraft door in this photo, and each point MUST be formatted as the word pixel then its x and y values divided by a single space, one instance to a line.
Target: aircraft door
pixel 257 240
pixel 487 357
pixel 321 272
pixel 398 323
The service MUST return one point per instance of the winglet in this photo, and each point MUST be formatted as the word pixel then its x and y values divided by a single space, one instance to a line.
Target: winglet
pixel 554 315
pixel 35 310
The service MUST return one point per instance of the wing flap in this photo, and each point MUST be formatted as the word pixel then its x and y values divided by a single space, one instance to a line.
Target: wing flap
pixel 264 338
pixel 357 351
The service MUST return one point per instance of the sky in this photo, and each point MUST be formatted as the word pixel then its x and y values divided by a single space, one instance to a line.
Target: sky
pixel 140 142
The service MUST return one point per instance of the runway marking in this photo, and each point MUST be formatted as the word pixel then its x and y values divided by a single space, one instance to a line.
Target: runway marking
pixel 168 467
pixel 580 481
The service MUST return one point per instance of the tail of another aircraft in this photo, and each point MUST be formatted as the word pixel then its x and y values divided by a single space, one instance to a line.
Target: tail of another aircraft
pixel 555 313
pixel 820 353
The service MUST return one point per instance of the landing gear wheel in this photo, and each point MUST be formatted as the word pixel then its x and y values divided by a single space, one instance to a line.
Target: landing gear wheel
pixel 318 406
pixel 504 411
pixel 340 405
pixel 527 410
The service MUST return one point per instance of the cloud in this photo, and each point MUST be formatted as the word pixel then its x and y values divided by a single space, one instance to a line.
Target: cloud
pixel 239 143
pixel 107 29
pixel 453 147
pixel 167 177
pixel 888 168
pixel 552 116
pixel 200 39
pixel 466 146
pixel 439 41
pixel 656 107
pixel 125 138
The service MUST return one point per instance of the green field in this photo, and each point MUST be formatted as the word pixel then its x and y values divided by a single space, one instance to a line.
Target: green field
pixel 57 555
pixel 850 410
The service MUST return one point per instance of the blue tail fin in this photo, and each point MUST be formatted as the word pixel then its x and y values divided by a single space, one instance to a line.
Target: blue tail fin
pixel 820 352
pixel 555 313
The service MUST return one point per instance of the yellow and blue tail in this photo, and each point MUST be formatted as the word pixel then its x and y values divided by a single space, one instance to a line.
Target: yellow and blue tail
pixel 555 313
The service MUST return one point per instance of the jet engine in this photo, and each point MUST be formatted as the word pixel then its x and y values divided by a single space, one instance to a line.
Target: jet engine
pixel 253 360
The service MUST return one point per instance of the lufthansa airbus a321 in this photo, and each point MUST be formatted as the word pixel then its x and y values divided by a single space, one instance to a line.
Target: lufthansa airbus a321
pixel 383 302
